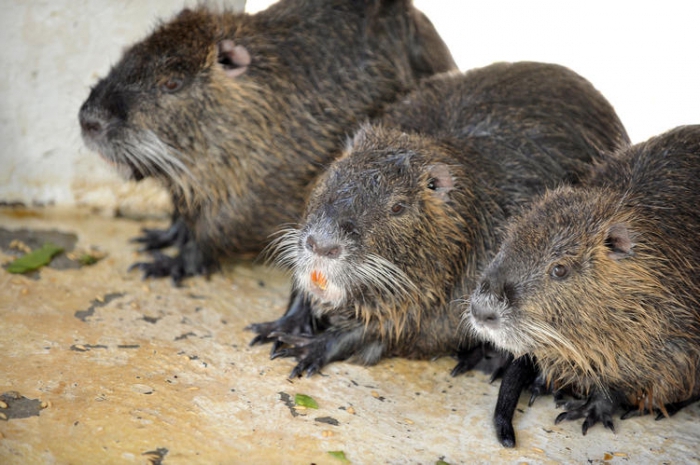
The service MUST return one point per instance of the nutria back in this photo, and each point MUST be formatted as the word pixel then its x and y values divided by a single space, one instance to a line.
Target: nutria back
pixel 398 228
pixel 599 282
pixel 236 113
pixel 541 123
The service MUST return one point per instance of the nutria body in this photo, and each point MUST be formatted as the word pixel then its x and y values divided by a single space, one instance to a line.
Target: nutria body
pixel 400 226
pixel 599 283
pixel 235 113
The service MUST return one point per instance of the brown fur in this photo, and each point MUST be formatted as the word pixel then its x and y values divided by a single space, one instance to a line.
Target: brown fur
pixel 458 156
pixel 260 105
pixel 625 321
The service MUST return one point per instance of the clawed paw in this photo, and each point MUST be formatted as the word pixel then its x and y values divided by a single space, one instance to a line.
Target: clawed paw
pixel 297 321
pixel 163 266
pixel 311 367
pixel 154 239
pixel 308 351
pixel 592 409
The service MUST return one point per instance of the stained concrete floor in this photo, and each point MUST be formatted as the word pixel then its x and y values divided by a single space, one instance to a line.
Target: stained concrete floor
pixel 131 371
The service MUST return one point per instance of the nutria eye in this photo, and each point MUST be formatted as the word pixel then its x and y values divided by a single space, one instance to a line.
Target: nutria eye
pixel 560 271
pixel 172 85
pixel 397 209
pixel 431 185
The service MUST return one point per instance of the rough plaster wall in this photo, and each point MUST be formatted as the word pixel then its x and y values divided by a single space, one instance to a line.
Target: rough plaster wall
pixel 52 52
pixel 641 58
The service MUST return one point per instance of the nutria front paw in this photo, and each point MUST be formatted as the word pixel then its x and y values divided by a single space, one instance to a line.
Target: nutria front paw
pixel 297 321
pixel 178 267
pixel 595 408
pixel 310 352
pixel 162 266
pixel 155 239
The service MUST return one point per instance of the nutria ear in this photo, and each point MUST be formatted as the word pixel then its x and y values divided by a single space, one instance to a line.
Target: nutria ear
pixel 184 13
pixel 441 180
pixel 233 59
pixel 619 242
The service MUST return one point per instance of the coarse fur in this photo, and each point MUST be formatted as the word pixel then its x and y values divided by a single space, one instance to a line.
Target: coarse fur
pixel 400 226
pixel 235 113
pixel 599 283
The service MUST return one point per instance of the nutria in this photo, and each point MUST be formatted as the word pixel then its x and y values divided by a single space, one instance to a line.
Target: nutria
pixel 599 282
pixel 236 113
pixel 400 226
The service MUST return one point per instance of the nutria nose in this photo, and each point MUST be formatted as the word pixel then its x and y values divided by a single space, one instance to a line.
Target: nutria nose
pixel 91 127
pixel 90 124
pixel 328 250
pixel 483 312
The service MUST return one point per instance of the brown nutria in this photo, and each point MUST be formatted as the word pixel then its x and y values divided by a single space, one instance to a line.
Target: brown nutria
pixel 237 113
pixel 400 226
pixel 599 282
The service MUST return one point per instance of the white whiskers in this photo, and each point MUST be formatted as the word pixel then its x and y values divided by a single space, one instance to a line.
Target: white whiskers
pixel 147 153
pixel 283 251
pixel 378 272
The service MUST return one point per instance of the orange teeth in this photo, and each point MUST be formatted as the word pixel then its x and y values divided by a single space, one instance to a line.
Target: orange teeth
pixel 319 280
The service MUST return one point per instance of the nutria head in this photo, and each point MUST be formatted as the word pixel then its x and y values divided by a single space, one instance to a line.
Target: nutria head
pixel 389 224
pixel 169 99
pixel 579 283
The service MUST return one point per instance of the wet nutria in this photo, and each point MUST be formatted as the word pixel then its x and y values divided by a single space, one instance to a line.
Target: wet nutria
pixel 237 113
pixel 400 226
pixel 600 283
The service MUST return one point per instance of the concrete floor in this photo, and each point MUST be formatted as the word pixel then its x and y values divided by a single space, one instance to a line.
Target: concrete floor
pixel 132 371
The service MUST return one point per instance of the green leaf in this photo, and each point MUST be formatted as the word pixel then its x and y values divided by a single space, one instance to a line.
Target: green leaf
pixel 35 259
pixel 338 454
pixel 305 401
pixel 86 259
pixel 441 462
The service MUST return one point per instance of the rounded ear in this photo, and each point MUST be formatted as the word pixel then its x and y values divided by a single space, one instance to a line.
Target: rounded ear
pixel 362 136
pixel 441 180
pixel 184 13
pixel 233 59
pixel 619 242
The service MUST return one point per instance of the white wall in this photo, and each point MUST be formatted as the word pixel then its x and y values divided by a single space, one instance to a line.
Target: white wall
pixel 641 55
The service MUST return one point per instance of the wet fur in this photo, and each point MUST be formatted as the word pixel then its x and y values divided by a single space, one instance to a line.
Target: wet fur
pixel 492 138
pixel 237 147
pixel 625 323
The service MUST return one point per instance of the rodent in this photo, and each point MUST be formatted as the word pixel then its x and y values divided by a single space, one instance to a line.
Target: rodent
pixel 599 283
pixel 399 227
pixel 235 113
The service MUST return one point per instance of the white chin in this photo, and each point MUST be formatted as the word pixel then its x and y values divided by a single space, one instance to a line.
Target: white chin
pixel 497 336
pixel 332 295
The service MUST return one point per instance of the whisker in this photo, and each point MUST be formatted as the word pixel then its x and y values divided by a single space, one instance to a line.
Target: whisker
pixel 151 155
pixel 385 276
pixel 282 250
